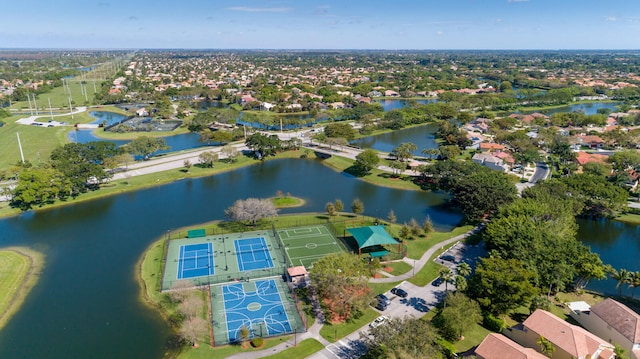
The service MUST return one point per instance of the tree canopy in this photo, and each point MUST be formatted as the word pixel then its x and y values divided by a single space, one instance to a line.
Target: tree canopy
pixel 251 210
pixel 501 285
pixel 341 282
pixel 144 146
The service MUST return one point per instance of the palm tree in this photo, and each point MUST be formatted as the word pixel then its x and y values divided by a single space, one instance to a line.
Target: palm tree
pixel 545 346
pixel 464 269
pixel 622 276
pixel 460 282
pixel 634 282
pixel 446 275
pixel 619 352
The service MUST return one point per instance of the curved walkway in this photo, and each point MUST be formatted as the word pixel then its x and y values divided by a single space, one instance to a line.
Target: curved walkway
pixel 314 330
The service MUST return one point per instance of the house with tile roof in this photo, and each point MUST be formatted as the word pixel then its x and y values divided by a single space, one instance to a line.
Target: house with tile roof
pixel 497 346
pixel 569 341
pixel 611 321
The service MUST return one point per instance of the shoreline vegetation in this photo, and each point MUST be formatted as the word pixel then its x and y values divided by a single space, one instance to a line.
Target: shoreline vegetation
pixel 337 163
pixel 20 270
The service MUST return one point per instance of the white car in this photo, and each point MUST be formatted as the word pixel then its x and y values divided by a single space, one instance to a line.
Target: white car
pixel 379 320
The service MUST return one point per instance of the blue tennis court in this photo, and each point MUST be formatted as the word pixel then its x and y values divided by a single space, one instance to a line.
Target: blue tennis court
pixel 196 260
pixel 252 254
pixel 261 310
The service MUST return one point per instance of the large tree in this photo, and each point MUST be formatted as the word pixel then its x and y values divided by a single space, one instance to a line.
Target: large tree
pixel 83 163
pixel 404 151
pixel 341 282
pixel 402 338
pixel 366 161
pixel 541 232
pixel 501 285
pixel 340 129
pixel 483 192
pixel 144 146
pixel 38 186
pixel 263 146
pixel 459 314
pixel 251 210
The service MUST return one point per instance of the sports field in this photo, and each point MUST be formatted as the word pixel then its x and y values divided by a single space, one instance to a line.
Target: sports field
pixel 263 306
pixel 211 259
pixel 305 245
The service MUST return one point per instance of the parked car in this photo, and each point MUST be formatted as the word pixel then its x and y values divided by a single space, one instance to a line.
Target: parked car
pixel 380 305
pixel 399 292
pixel 448 258
pixel 383 298
pixel 378 321
pixel 437 282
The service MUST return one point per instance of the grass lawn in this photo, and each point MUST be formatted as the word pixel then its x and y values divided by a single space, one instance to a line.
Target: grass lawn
pixel 37 142
pixel 628 218
pixel 332 332
pixel 399 267
pixel 133 135
pixel 417 247
pixel 376 177
pixel 59 98
pixel 303 350
pixel 206 352
pixel 471 338
pixel 284 202
pixel 19 272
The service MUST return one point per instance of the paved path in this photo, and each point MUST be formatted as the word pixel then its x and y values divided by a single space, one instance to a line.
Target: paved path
pixel 170 162
pixel 32 119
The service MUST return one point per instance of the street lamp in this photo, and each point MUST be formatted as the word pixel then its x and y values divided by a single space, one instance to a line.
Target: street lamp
pixel 414 267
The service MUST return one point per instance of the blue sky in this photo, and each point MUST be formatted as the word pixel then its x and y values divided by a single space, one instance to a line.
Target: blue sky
pixel 329 24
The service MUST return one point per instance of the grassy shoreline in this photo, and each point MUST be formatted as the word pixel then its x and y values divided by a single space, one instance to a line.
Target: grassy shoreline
pixel 20 269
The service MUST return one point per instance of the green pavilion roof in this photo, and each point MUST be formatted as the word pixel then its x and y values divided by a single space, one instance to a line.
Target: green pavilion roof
pixel 371 236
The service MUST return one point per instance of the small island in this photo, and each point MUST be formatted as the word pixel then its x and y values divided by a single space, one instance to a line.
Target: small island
pixel 287 201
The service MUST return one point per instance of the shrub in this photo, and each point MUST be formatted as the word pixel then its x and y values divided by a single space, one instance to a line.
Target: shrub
pixel 492 323
pixel 257 342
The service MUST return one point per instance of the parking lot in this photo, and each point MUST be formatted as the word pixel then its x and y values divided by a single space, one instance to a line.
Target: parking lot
pixel 419 300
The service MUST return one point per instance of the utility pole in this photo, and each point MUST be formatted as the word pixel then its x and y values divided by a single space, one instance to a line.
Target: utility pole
pixel 50 111
pixel 30 110
pixel 70 108
pixel 20 146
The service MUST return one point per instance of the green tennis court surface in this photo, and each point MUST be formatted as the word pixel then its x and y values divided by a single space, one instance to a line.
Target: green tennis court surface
pixel 305 245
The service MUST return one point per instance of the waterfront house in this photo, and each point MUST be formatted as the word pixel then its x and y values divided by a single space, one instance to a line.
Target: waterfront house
pixel 611 321
pixel 570 341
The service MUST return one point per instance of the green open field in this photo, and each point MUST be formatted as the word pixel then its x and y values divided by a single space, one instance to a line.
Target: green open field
pixel 19 272
pixel 37 142
pixel 306 245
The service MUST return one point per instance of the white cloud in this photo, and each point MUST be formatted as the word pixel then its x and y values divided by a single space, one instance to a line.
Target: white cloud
pixel 259 9
pixel 439 33
pixel 611 18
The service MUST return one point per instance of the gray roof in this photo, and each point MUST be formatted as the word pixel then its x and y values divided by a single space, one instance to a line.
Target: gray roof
pixel 620 317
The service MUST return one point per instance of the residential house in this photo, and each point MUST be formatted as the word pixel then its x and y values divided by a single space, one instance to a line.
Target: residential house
pixel 611 321
pixel 590 141
pixel 391 93
pixel 491 161
pixel 570 341
pixel 491 147
pixel 497 346
pixel 583 158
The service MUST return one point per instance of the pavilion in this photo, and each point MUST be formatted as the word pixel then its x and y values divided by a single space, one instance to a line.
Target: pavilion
pixel 372 236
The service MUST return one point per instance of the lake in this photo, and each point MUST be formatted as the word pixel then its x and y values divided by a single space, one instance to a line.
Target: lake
pixel 422 136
